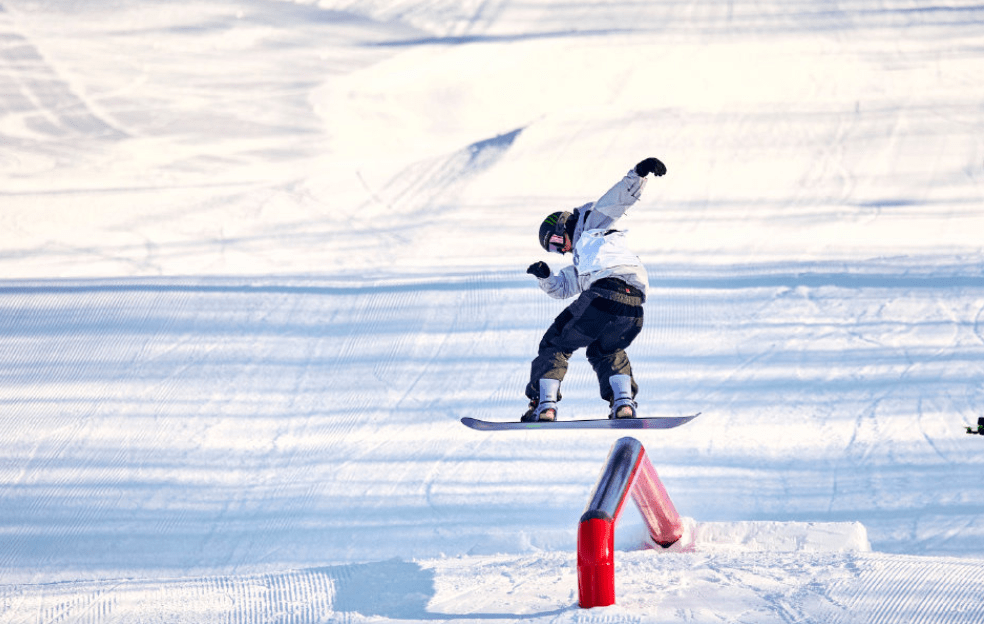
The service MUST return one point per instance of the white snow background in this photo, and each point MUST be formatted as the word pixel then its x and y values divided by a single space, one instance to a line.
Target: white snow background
pixel 258 257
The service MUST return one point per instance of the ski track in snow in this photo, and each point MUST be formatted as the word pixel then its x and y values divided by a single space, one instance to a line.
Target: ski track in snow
pixel 259 256
pixel 37 101
pixel 945 590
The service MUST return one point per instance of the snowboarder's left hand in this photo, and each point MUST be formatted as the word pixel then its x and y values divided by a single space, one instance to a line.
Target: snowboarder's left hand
pixel 539 269
pixel 650 165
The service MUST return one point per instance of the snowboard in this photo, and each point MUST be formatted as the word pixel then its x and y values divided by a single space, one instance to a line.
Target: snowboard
pixel 658 422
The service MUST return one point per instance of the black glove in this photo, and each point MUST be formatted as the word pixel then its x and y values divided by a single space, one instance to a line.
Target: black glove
pixel 650 165
pixel 539 269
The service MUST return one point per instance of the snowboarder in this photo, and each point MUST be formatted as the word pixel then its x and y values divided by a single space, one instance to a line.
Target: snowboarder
pixel 611 284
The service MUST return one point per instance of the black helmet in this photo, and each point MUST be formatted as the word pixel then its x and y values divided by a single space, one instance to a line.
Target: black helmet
pixel 555 225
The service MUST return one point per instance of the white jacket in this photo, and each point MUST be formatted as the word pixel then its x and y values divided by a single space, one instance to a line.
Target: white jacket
pixel 600 251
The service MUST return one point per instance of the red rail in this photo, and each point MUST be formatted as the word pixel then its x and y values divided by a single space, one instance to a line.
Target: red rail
pixel 628 471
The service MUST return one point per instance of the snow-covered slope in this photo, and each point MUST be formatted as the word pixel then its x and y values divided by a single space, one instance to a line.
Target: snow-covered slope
pixel 257 257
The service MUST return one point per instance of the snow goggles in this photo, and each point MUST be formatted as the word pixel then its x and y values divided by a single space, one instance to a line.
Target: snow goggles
pixel 556 243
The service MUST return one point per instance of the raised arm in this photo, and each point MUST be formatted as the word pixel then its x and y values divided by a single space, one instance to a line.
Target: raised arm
pixel 626 192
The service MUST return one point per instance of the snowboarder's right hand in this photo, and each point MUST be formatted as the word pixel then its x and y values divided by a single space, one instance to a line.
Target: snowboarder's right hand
pixel 539 269
pixel 650 165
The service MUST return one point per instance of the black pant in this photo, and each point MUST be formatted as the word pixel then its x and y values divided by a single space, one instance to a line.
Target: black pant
pixel 601 320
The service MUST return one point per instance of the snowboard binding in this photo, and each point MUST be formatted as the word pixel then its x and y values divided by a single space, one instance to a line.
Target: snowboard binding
pixel 623 405
pixel 623 408
pixel 544 408
pixel 980 428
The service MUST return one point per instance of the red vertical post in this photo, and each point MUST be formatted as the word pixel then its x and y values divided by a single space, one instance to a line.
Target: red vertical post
pixel 596 562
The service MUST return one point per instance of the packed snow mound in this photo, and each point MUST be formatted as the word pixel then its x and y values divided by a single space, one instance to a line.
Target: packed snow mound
pixel 723 537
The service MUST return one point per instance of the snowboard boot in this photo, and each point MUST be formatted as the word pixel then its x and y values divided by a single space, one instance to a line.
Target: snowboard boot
pixel 545 407
pixel 622 404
